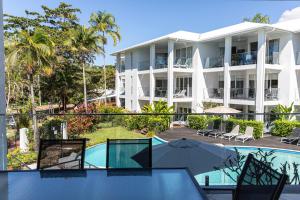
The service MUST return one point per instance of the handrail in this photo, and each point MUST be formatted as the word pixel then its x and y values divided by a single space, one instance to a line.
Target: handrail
pixel 91 165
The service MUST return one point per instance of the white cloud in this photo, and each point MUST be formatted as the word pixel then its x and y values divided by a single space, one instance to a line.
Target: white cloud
pixel 290 14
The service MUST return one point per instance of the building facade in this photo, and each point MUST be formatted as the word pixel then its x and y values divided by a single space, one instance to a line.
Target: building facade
pixel 248 66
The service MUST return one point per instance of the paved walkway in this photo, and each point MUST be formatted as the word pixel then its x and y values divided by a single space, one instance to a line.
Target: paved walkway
pixel 267 141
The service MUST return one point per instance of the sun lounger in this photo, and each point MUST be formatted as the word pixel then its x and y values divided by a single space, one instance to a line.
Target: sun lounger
pixel 247 136
pixel 217 132
pixel 293 137
pixel 234 132
pixel 179 94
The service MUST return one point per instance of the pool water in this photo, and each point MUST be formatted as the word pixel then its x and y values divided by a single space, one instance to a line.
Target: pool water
pixel 218 177
pixel 96 155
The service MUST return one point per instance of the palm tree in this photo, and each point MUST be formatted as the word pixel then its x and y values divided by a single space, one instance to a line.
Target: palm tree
pixel 85 43
pixel 259 18
pixel 34 52
pixel 105 23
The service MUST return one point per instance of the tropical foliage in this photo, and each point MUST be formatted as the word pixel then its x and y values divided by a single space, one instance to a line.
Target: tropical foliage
pixel 259 18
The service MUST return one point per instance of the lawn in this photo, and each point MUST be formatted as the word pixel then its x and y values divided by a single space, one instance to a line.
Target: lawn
pixel 102 134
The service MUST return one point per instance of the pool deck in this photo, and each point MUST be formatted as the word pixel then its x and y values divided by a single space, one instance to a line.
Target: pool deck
pixel 266 141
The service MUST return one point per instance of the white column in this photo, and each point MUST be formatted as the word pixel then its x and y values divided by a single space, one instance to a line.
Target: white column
pixel 196 82
pixel 117 80
pixel 152 66
pixel 170 71
pixel 135 77
pixel 3 139
pixel 260 74
pixel 227 63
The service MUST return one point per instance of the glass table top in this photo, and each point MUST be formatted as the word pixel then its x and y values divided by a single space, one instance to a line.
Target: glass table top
pixel 99 184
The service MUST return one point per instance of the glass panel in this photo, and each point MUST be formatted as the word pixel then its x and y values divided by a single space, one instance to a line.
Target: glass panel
pixel 189 52
pixel 129 153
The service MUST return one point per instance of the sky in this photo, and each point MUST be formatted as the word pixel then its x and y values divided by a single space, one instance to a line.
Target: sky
pixel 141 20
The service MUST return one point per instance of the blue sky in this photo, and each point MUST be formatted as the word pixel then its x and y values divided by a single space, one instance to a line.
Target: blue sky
pixel 142 20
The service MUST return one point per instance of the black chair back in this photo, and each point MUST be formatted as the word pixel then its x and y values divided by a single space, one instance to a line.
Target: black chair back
pixel 61 154
pixel 259 181
pixel 129 153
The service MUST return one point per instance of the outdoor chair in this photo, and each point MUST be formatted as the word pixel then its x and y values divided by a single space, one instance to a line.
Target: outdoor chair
pixel 180 93
pixel 247 136
pixel 129 153
pixel 204 132
pixel 178 62
pixel 219 130
pixel 257 181
pixel 293 137
pixel 61 154
pixel 188 63
pixel 233 133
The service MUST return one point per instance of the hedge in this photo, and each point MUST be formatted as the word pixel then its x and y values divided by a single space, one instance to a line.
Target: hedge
pixel 283 128
pixel 197 121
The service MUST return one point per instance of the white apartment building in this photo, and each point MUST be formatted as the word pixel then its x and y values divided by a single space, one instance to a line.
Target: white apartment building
pixel 248 66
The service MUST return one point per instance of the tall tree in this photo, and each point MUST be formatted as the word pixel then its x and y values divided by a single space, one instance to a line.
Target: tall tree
pixel 258 18
pixel 105 23
pixel 85 43
pixel 34 53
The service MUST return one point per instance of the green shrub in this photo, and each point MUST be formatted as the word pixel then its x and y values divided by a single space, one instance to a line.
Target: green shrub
pixel 15 155
pixel 257 125
pixel 283 128
pixel 136 122
pixel 46 130
pixel 157 124
pixel 197 121
pixel 116 120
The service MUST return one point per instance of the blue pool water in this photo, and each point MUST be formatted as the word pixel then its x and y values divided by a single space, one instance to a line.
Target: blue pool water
pixel 281 156
pixel 96 155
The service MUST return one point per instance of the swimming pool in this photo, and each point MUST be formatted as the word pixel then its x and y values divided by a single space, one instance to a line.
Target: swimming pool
pixel 96 155
pixel 218 177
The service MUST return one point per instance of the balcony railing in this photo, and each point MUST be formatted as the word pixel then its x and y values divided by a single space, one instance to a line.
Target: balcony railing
pixel 144 65
pixel 242 93
pixel 182 92
pixel 161 62
pixel 144 92
pixel 160 92
pixel 273 59
pixel 183 63
pixel 213 62
pixel 214 93
pixel 246 58
pixel 271 94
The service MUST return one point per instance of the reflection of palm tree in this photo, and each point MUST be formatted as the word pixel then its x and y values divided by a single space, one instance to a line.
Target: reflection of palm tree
pixel 84 42
pixel 105 23
pixel 33 52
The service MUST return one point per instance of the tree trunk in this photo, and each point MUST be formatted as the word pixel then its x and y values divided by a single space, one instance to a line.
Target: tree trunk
pixel 40 92
pixel 104 75
pixel 84 87
pixel 8 95
pixel 34 118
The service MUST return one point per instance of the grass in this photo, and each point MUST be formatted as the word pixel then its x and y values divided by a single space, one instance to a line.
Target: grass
pixel 102 134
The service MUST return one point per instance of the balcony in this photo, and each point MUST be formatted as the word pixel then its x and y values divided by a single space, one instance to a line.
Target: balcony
pixel 243 93
pixel 273 59
pixel 160 92
pixel 161 62
pixel 144 92
pixel 144 65
pixel 271 94
pixel 183 63
pixel 247 58
pixel 182 92
pixel 214 62
pixel 214 93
